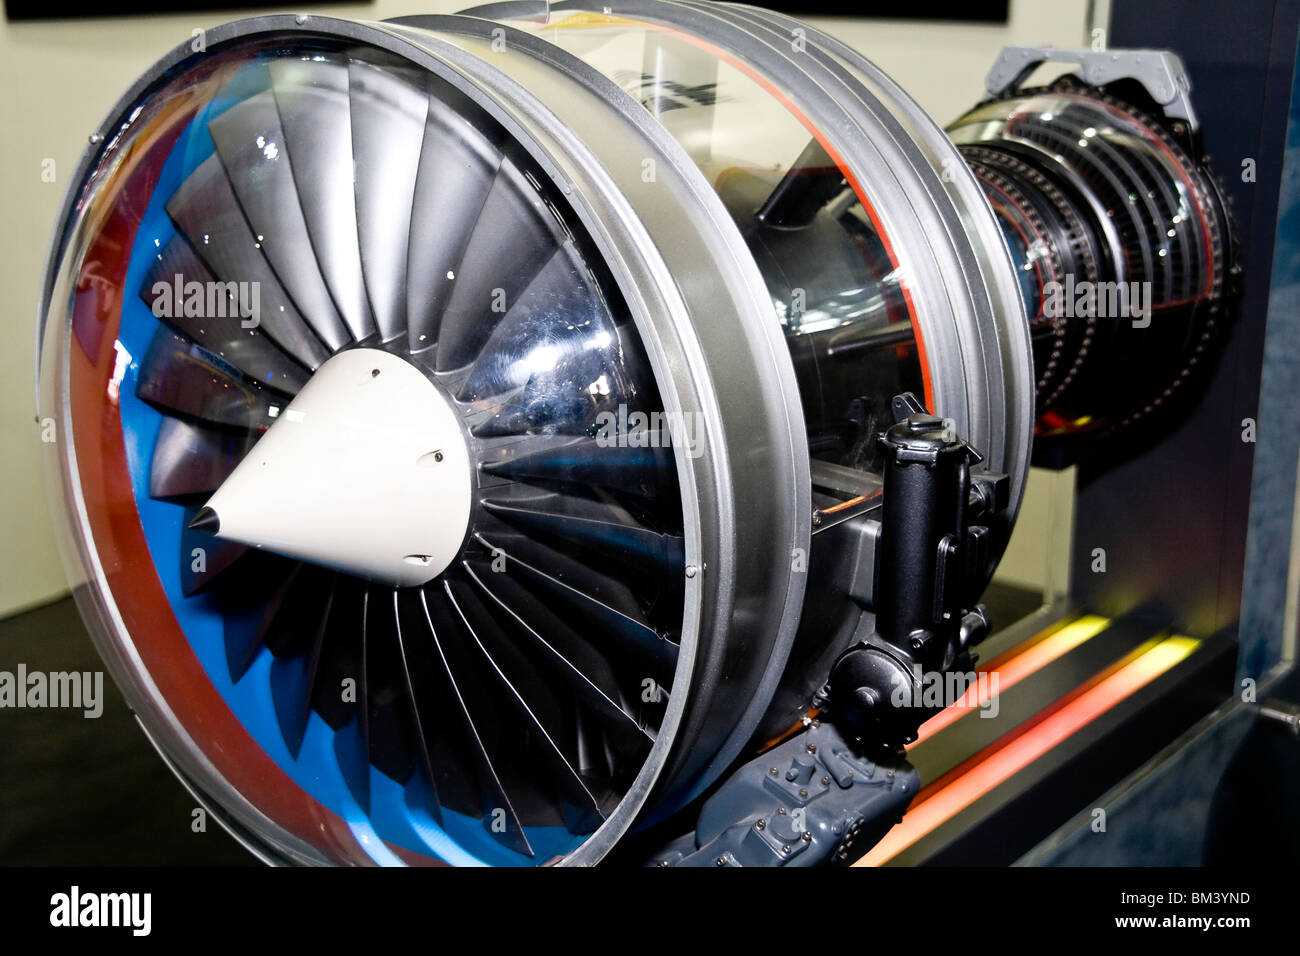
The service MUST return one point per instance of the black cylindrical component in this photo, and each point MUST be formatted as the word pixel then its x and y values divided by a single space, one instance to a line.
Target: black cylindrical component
pixel 925 560
pixel 927 483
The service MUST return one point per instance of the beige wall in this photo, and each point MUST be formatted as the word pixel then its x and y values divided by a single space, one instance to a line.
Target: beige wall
pixel 59 79
pixel 943 65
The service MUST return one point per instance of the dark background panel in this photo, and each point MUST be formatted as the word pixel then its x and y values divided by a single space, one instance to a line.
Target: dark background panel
pixel 1172 517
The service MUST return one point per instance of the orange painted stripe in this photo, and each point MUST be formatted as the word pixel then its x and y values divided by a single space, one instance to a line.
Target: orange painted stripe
pixel 958 791
pixel 1015 666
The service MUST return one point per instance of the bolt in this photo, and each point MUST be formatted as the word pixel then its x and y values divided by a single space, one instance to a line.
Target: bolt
pixel 812 748
pixel 826 781
pixel 437 456
pixel 300 19
pixel 721 861
pixel 803 794
pixel 691 570
pixel 866 698
pixel 761 825
pixel 786 848
pixel 807 836
pixel 780 811
pixel 774 772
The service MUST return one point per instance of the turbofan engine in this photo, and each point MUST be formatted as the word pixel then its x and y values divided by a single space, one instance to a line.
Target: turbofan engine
pixel 479 435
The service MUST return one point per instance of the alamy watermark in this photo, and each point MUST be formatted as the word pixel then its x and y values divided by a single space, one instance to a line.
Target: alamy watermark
pixel 74 690
pixel 208 300
pixel 636 429
pixel 1101 300
pixel 75 908
pixel 938 690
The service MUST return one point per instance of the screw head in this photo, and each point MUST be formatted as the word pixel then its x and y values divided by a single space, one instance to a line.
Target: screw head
pixel 761 825
pixel 807 836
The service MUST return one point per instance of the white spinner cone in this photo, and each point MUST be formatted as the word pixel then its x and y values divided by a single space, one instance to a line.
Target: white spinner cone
pixel 367 471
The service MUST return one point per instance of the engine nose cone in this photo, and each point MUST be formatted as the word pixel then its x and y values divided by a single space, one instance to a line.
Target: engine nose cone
pixel 366 470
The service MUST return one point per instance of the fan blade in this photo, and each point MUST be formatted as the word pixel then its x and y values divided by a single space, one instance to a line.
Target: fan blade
pixel 293 677
pixel 250 596
pixel 388 719
pixel 531 411
pixel 388 118
pixel 646 472
pixel 348 657
pixel 605 604
pixel 513 238
pixel 492 792
pixel 574 660
pixel 558 322
pixel 542 716
pixel 250 145
pixel 191 459
pixel 427 702
pixel 339 685
pixel 179 376
pixel 312 98
pixel 564 520
pixel 457 167
pixel 353 759
pixel 301 614
pixel 293 637
pixel 207 213
pixel 196 317
pixel 583 392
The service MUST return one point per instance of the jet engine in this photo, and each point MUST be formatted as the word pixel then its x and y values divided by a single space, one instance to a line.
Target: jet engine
pixel 481 437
